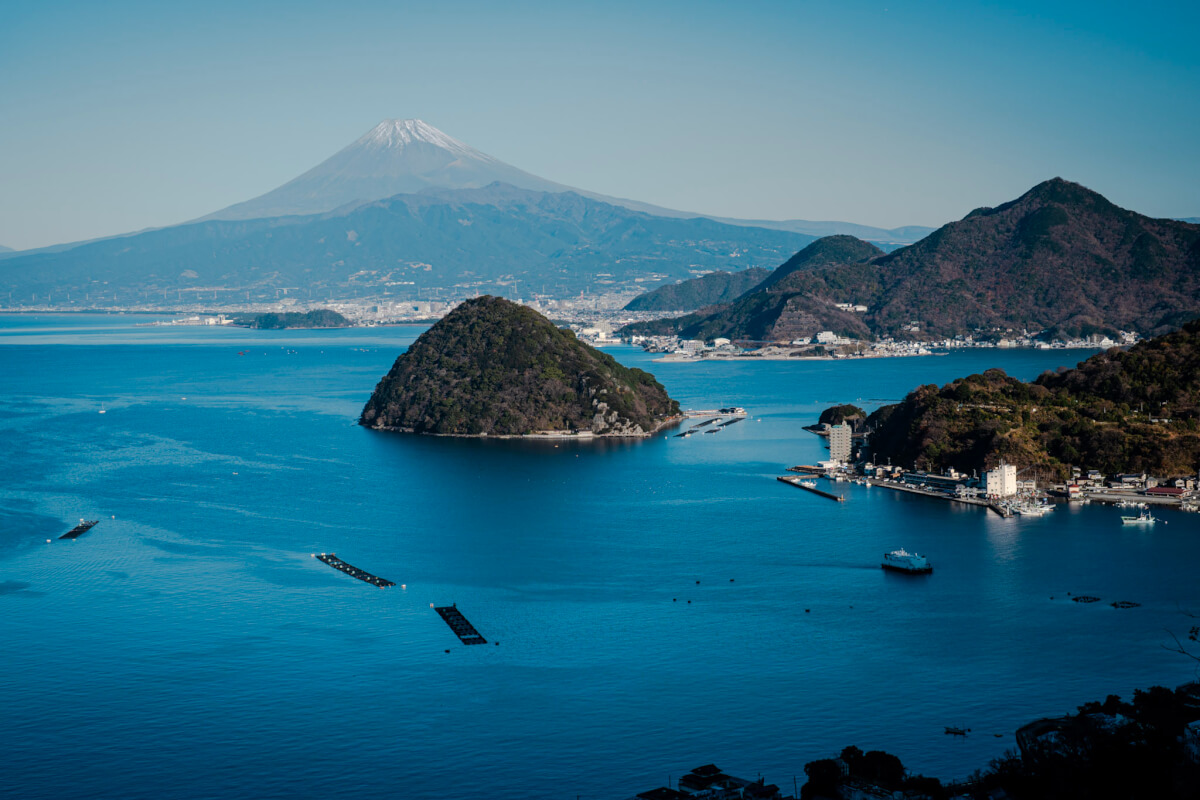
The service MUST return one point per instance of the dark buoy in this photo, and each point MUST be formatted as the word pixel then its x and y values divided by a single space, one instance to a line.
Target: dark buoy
pixel 731 580
pixel 497 644
pixel 697 583
pixel 689 602
pixel 447 651
pixel 673 599
pixel 807 610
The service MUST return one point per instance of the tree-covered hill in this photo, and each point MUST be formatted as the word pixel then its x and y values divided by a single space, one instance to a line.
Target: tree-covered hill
pixel 712 289
pixel 492 367
pixel 776 309
pixel 317 318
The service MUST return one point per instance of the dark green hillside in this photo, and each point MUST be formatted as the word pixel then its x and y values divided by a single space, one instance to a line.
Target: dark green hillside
pixel 1119 411
pixel 712 289
pixel 497 236
pixel 492 367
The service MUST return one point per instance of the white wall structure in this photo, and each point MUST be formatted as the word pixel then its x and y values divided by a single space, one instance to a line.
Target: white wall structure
pixel 839 443
pixel 1001 481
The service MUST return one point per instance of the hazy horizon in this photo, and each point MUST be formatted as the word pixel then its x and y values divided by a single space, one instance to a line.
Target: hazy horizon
pixel 133 116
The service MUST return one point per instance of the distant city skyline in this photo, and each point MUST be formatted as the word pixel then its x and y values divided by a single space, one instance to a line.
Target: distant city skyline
pixel 134 115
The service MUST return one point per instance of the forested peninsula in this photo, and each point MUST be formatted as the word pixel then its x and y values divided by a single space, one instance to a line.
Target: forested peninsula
pixel 1121 411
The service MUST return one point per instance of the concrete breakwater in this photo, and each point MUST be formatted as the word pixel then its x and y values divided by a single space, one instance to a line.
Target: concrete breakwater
pixel 799 484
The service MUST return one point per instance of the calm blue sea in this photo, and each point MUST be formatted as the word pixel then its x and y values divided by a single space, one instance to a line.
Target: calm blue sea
pixel 657 605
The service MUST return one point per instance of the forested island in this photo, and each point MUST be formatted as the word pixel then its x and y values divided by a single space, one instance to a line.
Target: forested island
pixel 317 318
pixel 1121 411
pixel 492 367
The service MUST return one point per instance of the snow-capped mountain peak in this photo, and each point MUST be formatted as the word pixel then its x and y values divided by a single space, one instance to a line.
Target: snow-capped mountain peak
pixel 398 133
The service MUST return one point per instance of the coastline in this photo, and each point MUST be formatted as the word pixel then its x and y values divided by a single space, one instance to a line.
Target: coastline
pixel 671 358
pixel 568 435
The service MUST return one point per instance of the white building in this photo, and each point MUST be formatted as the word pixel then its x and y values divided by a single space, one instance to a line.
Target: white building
pixel 839 443
pixel 1001 481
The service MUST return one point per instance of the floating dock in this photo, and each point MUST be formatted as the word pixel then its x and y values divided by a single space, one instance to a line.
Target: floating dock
pixel 1003 511
pixel 801 485
pixel 79 530
pixel 463 629
pixel 354 572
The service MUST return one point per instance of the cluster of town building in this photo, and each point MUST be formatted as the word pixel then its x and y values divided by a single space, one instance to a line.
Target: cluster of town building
pixel 1004 480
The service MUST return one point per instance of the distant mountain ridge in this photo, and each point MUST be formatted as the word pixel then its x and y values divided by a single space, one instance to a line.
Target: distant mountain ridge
pixel 1060 259
pixel 498 238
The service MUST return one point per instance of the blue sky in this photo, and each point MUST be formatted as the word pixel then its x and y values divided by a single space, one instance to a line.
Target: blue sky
pixel 126 115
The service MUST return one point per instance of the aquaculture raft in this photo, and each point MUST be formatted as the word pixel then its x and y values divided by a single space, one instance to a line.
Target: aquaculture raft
pixel 464 630
pixel 79 530
pixel 354 572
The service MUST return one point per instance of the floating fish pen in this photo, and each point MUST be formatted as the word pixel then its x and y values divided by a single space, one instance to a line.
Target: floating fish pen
pixel 729 422
pixel 463 629
pixel 354 572
pixel 706 422
pixel 713 430
pixel 1125 604
pixel 799 484
pixel 79 530
pixel 1086 598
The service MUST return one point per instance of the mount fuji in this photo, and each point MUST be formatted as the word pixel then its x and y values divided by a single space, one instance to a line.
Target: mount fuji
pixel 408 210
pixel 397 156
pixel 406 156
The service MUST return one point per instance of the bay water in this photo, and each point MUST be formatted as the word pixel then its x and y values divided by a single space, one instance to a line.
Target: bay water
pixel 650 606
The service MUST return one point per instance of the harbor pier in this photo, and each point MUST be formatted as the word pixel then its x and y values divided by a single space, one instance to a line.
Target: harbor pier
pixel 799 484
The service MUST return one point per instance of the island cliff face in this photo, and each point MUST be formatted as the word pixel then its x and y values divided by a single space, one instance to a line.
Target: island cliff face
pixel 492 367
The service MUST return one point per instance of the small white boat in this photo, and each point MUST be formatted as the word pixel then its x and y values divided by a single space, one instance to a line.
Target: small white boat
pixel 1144 518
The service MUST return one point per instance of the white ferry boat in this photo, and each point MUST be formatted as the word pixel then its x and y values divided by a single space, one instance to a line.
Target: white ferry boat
pixel 903 561
pixel 1144 518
